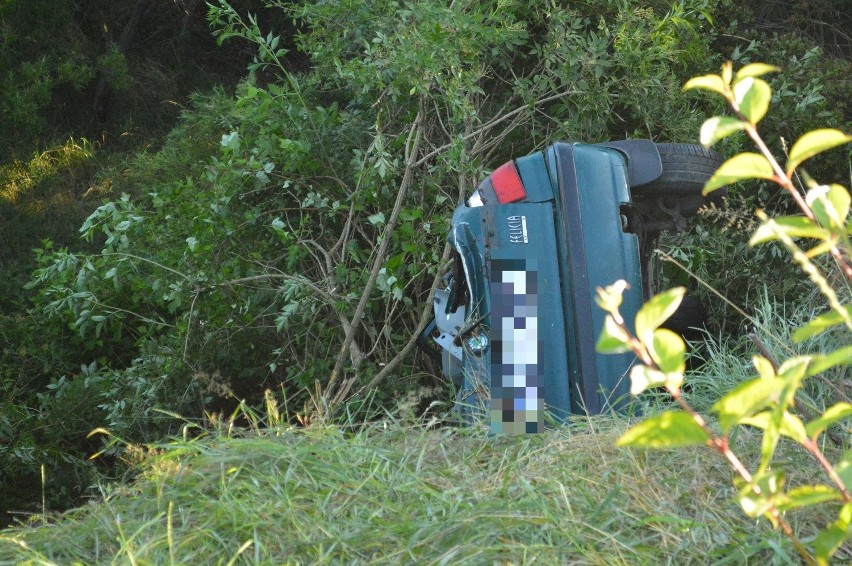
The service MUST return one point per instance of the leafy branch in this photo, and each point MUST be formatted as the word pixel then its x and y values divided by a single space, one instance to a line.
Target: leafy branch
pixel 766 402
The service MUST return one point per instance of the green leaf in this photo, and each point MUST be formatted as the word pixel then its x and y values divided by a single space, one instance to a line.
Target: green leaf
pixel 745 400
pixel 609 298
pixel 769 441
pixel 763 366
pixel 830 205
pixel 743 166
pixel 727 72
pixel 832 538
pixel 813 143
pixel 844 470
pixel 753 96
pixel 833 414
pixel 820 324
pixel 717 128
pixel 668 351
pixel 753 504
pixel 231 141
pixel 755 70
pixel 792 226
pixel 376 219
pixel 840 357
pixel 656 311
pixel 806 495
pixel 790 426
pixel 613 339
pixel 643 377
pixel 671 428
pixel 757 502
pixel 792 372
pixel 706 82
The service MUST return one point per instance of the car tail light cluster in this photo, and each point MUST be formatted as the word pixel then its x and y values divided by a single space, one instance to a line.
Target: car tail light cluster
pixel 503 186
pixel 507 184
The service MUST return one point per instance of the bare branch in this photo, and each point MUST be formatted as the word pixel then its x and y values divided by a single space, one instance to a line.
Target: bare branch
pixel 411 150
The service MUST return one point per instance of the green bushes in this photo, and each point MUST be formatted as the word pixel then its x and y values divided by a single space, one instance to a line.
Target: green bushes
pixel 309 213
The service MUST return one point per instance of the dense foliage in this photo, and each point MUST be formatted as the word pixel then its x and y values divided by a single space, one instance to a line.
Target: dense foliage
pixel 287 233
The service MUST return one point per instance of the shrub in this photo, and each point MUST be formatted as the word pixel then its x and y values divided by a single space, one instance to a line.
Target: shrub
pixel 769 401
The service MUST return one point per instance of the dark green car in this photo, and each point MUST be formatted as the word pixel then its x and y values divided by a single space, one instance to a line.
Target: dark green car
pixel 517 323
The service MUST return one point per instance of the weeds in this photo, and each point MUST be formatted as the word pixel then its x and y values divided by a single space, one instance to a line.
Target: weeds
pixel 387 493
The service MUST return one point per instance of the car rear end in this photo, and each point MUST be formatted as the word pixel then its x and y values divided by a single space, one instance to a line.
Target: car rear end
pixel 516 323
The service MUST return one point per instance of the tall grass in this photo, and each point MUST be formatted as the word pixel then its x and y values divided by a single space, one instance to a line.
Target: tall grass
pixel 723 363
pixel 388 493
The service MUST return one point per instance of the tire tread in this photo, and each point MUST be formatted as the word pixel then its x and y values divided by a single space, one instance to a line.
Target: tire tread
pixel 686 168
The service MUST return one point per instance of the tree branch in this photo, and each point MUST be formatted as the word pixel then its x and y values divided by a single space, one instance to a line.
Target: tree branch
pixel 412 147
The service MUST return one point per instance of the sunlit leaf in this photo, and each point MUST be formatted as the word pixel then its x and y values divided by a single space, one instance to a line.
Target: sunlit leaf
pixel 753 96
pixel 832 537
pixel 840 357
pixel 813 143
pixel 668 351
pixel 671 428
pixel 756 502
pixel 792 372
pixel 795 367
pixel 792 226
pixel 656 311
pixel 805 495
pixel 830 205
pixel 609 298
pixel 820 249
pixel 613 339
pixel 790 425
pixel 745 400
pixel 706 82
pixel 832 415
pixel 763 366
pixel 643 377
pixel 717 128
pixel 727 72
pixel 820 324
pixel 844 470
pixel 743 166
pixel 755 70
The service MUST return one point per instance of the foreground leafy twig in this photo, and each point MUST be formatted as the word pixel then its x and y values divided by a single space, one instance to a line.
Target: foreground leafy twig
pixel 767 401
pixel 663 362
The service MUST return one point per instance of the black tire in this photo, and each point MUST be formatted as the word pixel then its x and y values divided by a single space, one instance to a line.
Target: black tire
pixel 686 168
pixel 689 319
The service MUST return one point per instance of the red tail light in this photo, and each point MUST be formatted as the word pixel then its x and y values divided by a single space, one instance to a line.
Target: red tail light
pixel 507 184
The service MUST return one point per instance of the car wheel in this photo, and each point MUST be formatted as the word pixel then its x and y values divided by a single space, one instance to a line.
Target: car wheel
pixel 689 319
pixel 686 168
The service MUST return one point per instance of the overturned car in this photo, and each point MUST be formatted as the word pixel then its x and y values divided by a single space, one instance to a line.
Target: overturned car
pixel 516 325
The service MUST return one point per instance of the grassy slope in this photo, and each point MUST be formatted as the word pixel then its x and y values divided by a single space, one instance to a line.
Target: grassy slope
pixel 390 495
